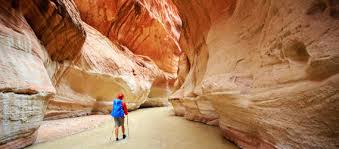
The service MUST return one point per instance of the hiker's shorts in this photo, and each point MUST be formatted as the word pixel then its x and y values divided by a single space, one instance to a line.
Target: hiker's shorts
pixel 119 121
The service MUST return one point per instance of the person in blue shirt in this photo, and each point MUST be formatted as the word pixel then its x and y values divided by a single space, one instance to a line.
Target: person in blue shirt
pixel 119 110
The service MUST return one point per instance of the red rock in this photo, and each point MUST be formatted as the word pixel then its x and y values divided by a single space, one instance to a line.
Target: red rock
pixel 103 69
pixel 57 24
pixel 149 28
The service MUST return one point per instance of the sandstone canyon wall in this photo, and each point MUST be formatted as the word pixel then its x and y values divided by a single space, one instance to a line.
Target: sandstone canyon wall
pixel 147 27
pixel 102 70
pixel 24 83
pixel 53 65
pixel 264 71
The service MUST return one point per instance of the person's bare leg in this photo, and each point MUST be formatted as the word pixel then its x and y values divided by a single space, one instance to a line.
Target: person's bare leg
pixel 123 129
pixel 116 131
pixel 123 132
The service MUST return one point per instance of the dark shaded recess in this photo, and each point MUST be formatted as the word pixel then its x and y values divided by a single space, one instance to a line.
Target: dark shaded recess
pixel 334 8
pixel 137 8
pixel 43 6
pixel 296 51
pixel 15 4
pixel 317 6
pixel 329 7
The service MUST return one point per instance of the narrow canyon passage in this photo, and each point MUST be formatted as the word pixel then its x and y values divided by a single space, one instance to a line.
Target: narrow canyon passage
pixel 265 73
pixel 151 128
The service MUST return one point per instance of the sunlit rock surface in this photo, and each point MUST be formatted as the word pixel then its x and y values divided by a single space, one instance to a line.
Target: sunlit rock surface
pixel 147 27
pixel 103 69
pixel 67 72
pixel 267 69
pixel 264 71
pixel 25 86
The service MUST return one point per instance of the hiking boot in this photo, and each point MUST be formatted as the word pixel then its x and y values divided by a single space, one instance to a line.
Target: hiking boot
pixel 117 139
pixel 123 136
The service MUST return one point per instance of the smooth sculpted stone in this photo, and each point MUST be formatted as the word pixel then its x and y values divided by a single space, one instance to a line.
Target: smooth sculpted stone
pixel 103 69
pixel 25 86
pixel 150 28
pixel 57 24
pixel 160 91
pixel 268 68
pixel 147 27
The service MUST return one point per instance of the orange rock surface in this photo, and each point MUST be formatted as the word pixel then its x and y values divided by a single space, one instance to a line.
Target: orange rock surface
pixel 103 69
pixel 57 24
pixel 148 27
pixel 265 71
pixel 72 71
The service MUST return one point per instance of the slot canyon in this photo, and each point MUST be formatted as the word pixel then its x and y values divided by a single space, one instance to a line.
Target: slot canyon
pixel 195 73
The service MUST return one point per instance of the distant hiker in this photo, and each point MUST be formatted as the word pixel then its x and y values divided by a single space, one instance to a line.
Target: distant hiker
pixel 119 111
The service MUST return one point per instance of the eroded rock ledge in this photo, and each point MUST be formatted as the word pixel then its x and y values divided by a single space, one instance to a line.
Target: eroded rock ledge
pixel 102 70
pixel 146 27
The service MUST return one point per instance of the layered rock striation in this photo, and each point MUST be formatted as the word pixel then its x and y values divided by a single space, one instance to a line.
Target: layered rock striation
pixel 150 28
pixel 31 37
pixel 267 71
pixel 25 86
pixel 53 65
pixel 57 24
pixel 102 70
pixel 264 71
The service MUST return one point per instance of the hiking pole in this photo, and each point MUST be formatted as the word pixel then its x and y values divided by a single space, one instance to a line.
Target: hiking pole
pixel 128 128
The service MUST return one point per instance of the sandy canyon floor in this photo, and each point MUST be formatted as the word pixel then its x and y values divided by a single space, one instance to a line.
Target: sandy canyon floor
pixel 153 128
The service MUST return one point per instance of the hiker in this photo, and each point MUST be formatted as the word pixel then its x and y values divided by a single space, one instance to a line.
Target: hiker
pixel 119 111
